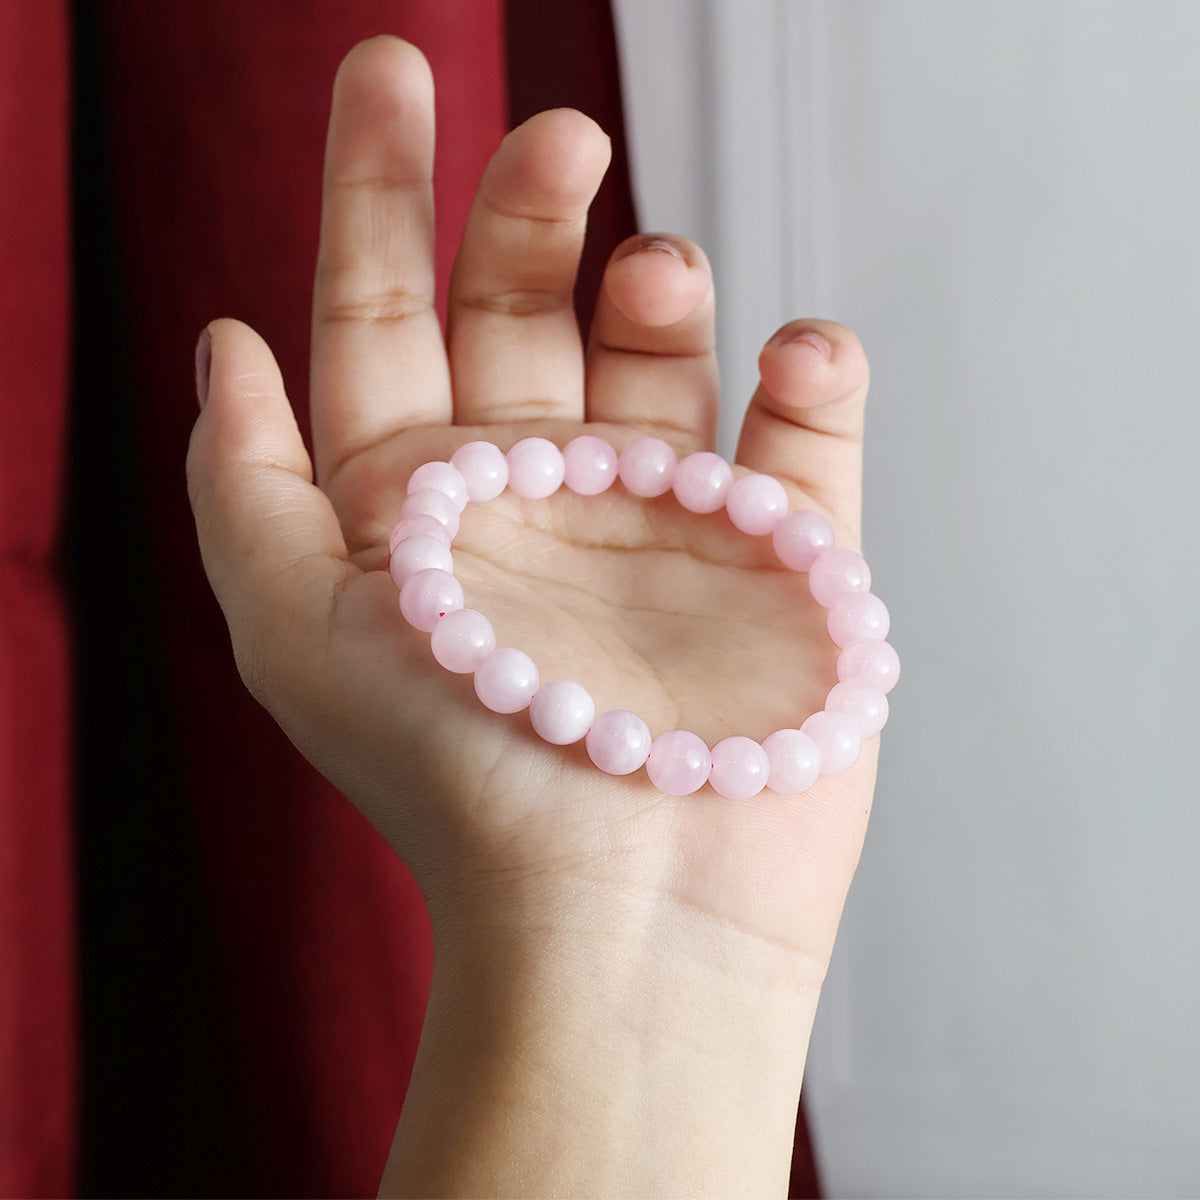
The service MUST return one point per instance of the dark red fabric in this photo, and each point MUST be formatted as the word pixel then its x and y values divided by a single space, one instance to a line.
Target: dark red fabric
pixel 804 1182
pixel 565 56
pixel 37 975
pixel 213 137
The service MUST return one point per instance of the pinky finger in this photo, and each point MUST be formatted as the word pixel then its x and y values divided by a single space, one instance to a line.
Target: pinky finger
pixel 805 422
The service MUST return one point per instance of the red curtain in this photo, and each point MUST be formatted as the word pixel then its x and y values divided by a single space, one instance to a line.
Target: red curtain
pixel 253 960
pixel 37 973
pixel 269 1053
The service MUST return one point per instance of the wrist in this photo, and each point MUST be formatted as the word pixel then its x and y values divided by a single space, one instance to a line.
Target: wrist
pixel 569 1020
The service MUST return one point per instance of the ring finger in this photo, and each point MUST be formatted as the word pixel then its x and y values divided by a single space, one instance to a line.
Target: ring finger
pixel 515 352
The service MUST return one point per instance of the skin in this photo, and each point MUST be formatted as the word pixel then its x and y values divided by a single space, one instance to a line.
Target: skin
pixel 624 982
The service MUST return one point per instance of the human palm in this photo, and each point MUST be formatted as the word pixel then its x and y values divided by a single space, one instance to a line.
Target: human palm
pixel 673 615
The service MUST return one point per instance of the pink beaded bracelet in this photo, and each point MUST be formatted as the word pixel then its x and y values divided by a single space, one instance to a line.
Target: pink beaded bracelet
pixel 562 712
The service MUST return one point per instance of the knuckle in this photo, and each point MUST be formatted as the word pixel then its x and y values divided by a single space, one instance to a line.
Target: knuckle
pixel 515 302
pixel 542 217
pixel 381 184
pixel 348 297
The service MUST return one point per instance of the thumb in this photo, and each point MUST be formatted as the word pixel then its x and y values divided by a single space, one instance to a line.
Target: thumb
pixel 271 543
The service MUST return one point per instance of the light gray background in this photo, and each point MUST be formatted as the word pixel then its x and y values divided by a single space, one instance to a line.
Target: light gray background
pixel 1003 200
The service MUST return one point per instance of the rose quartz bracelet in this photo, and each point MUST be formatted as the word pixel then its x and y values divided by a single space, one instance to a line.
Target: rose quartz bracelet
pixel 562 712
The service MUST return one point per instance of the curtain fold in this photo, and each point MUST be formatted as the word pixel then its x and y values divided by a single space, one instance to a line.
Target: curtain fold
pixel 257 959
pixel 37 970
pixel 565 55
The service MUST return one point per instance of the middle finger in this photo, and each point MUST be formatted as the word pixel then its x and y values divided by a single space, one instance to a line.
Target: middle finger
pixel 378 363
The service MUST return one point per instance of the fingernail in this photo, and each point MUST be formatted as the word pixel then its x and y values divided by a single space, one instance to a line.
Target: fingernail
pixel 816 340
pixel 203 366
pixel 662 246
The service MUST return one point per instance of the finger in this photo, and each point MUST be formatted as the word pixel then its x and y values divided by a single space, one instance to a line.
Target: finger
pixel 378 363
pixel 805 422
pixel 515 351
pixel 270 542
pixel 651 359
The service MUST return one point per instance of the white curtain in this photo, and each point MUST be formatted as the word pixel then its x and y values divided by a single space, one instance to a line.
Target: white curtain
pixel 1003 200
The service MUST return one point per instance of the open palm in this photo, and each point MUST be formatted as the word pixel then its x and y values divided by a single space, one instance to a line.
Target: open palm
pixel 676 616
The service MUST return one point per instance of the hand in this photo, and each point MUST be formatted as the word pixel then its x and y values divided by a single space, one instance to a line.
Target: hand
pixel 675 616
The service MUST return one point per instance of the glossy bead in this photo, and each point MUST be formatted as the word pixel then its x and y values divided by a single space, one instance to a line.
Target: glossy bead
pixel 874 662
pixel 429 502
pixel 795 761
pixel 867 706
pixel 702 481
pixel 590 465
pixel 860 616
pixel 418 554
pixel 439 477
pixel 429 595
pixel 756 503
pixel 561 712
pixel 837 738
pixel 740 768
pixel 647 467
pixel 506 680
pixel 461 640
pixel 535 468
pixel 800 538
pixel 679 762
pixel 838 573
pixel 484 467
pixel 412 526
pixel 618 742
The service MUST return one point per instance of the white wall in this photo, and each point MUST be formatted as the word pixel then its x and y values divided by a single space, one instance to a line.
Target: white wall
pixel 1003 200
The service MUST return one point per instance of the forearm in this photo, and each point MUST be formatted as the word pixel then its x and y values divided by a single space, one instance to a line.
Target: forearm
pixel 638 1050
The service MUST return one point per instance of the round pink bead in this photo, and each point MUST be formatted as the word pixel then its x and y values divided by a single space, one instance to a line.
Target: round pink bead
pixel 874 662
pixel 858 700
pixel 506 680
pixel 800 538
pixel 439 477
pixel 756 503
pixel 740 768
pixel 412 526
pixel 428 596
pixel 618 742
pixel 702 481
pixel 837 738
pixel 860 616
pixel 795 761
pixel 535 468
pixel 837 573
pixel 428 502
pixel 418 554
pixel 484 467
pixel 461 640
pixel 679 762
pixel 647 467
pixel 590 465
pixel 562 712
